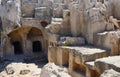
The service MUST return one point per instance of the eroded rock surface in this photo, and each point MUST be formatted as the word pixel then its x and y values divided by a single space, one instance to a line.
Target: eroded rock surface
pixel 15 69
pixel 51 70
pixel 110 73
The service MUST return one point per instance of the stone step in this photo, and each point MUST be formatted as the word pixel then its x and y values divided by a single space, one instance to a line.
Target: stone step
pixel 110 73
pixel 112 62
pixel 88 53
pixel 106 39
pixel 80 54
pixel 57 21
pixel 100 66
pixel 91 70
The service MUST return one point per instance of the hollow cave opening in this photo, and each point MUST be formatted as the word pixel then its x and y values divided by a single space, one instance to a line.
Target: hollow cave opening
pixel 17 48
pixel 37 47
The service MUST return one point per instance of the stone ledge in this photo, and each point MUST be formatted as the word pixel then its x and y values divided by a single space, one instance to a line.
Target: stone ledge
pixel 88 53
pixel 112 62
pixel 90 64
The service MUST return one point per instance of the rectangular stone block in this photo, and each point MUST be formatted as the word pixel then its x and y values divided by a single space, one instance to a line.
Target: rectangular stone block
pixel 108 40
pixel 28 9
pixel 41 12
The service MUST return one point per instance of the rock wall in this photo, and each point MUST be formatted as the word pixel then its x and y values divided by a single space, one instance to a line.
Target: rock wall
pixel 109 40
pixel 52 70
pixel 115 8
pixel 10 12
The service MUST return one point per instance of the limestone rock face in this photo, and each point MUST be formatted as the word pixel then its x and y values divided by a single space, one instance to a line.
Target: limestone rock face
pixel 58 11
pixel 71 32
pixel 16 69
pixel 87 19
pixel 110 73
pixel 28 9
pixel 112 62
pixel 51 70
pixel 10 70
pixel 59 26
pixel 55 25
pixel 109 40
pixel 75 20
pixel 115 8
pixel 10 11
pixel 42 12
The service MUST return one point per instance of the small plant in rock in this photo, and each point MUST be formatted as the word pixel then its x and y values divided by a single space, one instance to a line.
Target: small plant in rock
pixel 23 15
pixel 68 14
pixel 67 44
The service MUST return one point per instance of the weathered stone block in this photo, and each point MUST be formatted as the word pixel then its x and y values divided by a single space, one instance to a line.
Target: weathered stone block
pixel 109 40
pixel 51 70
pixel 89 53
pixel 28 9
pixel 52 54
pixel 58 11
pixel 110 73
pixel 75 20
pixel 71 41
pixel 108 63
pixel 42 12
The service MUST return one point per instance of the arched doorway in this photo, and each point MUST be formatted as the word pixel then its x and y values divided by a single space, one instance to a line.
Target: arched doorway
pixel 27 41
pixel 37 47
pixel 17 48
pixel 34 32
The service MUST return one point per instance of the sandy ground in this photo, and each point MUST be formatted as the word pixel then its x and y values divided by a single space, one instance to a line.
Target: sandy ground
pixel 34 70
pixel 33 65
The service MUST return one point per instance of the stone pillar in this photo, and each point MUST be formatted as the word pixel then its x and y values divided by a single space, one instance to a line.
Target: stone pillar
pixel 75 20
pixel 71 62
pixel 59 56
pixel 65 56
pixel 29 47
pixel 46 46
pixel 52 54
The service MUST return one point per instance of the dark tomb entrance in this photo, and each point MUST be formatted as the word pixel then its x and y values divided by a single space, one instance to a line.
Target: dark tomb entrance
pixel 37 46
pixel 17 48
